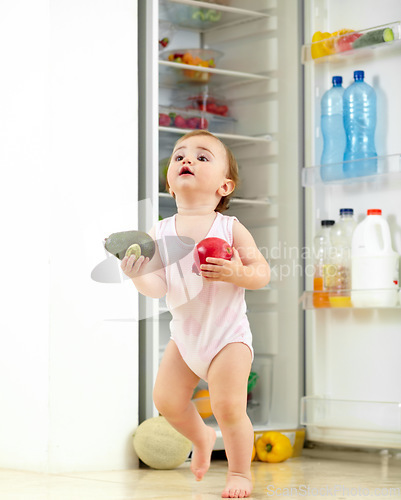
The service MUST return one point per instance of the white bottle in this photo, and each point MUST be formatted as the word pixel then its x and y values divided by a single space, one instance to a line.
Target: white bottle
pixel 374 263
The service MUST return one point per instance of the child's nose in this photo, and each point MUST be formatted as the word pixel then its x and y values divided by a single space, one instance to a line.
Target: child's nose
pixel 186 160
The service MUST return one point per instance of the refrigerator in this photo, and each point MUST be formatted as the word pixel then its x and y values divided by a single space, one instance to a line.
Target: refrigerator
pixel 335 371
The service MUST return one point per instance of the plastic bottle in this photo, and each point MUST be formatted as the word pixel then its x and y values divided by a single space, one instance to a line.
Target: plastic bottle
pixel 360 124
pixel 339 272
pixel 332 125
pixel 321 248
pixel 344 227
pixel 374 263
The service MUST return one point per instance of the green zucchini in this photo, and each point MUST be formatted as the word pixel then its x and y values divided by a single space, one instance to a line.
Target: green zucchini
pixel 374 37
pixel 118 244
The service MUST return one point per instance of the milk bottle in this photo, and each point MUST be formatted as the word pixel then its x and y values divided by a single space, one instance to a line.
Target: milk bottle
pixel 374 263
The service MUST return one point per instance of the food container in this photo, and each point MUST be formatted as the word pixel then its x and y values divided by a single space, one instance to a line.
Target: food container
pixel 181 118
pixel 205 58
pixel 204 101
pixel 191 119
pixel 166 34
pixel 199 18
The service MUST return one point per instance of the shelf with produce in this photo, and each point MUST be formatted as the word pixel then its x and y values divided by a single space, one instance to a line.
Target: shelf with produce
pixel 345 43
pixel 388 166
pixel 189 119
pixel 352 299
pixel 205 17
pixel 173 73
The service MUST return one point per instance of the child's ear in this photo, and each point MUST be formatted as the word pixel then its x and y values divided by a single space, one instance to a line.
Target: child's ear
pixel 226 188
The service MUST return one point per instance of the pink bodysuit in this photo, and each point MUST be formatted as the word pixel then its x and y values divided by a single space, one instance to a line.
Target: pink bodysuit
pixel 206 315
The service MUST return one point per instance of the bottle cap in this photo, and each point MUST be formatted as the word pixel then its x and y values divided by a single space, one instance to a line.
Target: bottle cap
pixel 327 223
pixel 374 211
pixel 359 75
pixel 337 80
pixel 346 211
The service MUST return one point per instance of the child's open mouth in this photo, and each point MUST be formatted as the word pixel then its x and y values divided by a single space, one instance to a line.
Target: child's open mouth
pixel 186 171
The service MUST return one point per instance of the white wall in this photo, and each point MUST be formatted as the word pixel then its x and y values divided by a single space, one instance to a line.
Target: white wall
pixel 68 155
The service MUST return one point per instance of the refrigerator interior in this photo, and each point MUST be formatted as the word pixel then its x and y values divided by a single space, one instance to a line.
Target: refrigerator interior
pixel 259 78
pixel 353 391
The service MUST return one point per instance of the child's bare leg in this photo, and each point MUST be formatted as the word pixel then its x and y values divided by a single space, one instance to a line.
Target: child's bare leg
pixel 172 394
pixel 228 380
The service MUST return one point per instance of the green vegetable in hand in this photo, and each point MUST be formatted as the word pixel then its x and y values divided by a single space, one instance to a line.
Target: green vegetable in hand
pixel 130 242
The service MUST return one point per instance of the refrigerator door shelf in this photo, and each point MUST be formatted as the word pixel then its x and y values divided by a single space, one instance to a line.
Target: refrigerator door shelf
pixel 366 299
pixel 348 422
pixel 337 47
pixel 203 16
pixel 388 169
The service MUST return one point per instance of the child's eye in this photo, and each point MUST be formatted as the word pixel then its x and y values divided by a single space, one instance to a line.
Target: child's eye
pixel 178 158
pixel 202 158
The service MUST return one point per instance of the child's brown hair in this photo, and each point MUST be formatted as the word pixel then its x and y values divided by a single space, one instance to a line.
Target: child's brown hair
pixel 233 173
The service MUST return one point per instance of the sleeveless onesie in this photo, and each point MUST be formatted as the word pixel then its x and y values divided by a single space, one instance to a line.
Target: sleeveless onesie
pixel 206 316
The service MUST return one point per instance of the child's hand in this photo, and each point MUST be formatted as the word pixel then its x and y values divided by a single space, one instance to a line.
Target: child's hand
pixel 222 269
pixel 133 267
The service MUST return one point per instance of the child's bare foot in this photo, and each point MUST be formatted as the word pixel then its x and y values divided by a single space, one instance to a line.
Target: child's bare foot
pixel 237 486
pixel 200 462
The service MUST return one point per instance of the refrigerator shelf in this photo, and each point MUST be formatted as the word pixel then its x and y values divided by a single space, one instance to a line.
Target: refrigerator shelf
pixel 243 201
pixel 205 17
pixel 336 48
pixel 388 166
pixel 230 139
pixel 383 299
pixel 172 74
pixel 377 416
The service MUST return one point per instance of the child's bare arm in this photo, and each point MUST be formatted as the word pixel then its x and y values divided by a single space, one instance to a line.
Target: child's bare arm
pixel 148 277
pixel 247 268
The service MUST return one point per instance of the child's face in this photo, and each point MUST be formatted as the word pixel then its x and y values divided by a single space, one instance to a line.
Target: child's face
pixel 200 163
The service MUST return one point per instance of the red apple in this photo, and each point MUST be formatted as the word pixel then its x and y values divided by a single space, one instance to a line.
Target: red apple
pixel 210 247
pixel 179 121
pixel 164 120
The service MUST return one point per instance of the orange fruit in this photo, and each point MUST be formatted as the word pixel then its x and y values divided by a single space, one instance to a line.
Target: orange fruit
pixel 253 453
pixel 203 405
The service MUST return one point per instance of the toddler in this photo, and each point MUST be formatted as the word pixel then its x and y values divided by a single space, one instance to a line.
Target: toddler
pixel 210 333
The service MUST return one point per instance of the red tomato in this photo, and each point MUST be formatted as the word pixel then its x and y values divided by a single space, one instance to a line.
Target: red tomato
pixel 344 43
pixel 222 110
pixel 210 247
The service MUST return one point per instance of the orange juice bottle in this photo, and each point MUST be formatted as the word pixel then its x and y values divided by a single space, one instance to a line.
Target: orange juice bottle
pixel 321 249
pixel 320 299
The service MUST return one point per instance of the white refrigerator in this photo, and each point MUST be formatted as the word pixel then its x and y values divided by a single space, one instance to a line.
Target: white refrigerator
pixel 334 370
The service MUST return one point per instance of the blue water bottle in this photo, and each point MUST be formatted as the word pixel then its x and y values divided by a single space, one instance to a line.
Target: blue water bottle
pixel 332 125
pixel 360 124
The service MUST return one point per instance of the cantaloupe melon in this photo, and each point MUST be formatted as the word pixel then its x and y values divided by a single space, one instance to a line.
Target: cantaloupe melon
pixel 159 445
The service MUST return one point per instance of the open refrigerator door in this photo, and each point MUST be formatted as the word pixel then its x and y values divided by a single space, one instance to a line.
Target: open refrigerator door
pixel 353 394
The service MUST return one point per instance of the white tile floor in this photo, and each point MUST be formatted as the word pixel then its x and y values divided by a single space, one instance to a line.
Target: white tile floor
pixel 321 473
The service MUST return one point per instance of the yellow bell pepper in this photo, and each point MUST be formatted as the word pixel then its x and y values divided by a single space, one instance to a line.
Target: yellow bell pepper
pixel 322 44
pixel 273 447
